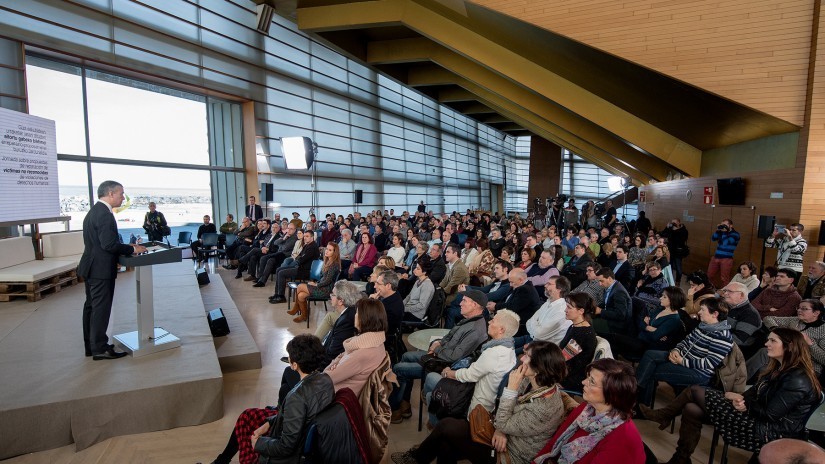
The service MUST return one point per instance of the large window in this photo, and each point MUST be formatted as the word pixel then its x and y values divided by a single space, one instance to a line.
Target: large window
pixel 152 139
pixel 585 181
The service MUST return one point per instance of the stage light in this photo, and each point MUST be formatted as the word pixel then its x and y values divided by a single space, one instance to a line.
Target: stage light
pixel 299 152
pixel 615 183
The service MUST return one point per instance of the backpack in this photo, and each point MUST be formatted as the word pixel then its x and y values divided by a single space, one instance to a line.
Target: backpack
pixel 451 398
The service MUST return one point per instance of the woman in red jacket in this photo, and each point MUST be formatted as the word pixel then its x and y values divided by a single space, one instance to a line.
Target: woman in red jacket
pixel 364 258
pixel 599 430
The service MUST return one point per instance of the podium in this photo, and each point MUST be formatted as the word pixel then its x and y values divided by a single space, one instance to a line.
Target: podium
pixel 148 339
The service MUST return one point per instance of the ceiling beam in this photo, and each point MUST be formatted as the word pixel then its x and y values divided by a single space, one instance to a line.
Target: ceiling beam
pixel 477 47
pixel 457 65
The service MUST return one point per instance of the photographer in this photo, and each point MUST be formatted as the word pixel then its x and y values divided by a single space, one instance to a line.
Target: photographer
pixel 610 217
pixel 677 236
pixel 791 247
pixel 155 224
pixel 726 239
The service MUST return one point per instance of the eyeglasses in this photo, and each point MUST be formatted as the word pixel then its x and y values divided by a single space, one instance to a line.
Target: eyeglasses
pixel 592 382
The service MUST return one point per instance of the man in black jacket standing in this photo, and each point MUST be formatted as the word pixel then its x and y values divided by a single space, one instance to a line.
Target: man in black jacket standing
pixel 98 267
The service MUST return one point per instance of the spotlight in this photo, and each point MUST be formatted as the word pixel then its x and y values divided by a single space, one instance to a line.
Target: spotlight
pixel 299 153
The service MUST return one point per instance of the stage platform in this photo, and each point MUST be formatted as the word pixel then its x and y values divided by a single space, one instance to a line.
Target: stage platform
pixel 51 395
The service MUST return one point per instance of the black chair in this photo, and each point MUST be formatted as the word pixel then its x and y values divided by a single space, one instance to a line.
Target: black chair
pixel 228 240
pixel 184 237
pixel 434 315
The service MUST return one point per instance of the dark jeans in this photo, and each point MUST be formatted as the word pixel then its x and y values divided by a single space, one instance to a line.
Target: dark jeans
pixel 284 275
pixel 267 264
pixel 676 267
pixel 655 366
pixel 407 371
pixel 449 442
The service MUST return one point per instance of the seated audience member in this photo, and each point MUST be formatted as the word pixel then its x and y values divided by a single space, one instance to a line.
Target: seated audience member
pixel 496 291
pixel 747 276
pixel 579 342
pixel 277 434
pixel 408 278
pixel 616 316
pixel 421 293
pixel 364 352
pixel 527 258
pixel 364 258
pixel 457 273
pixel 812 285
pixel 530 410
pixel 661 255
pixel 469 251
pixel 246 233
pixel 539 273
pixel 523 299
pixel 622 268
pixel 768 277
pixel 347 248
pixel 481 267
pixel 649 289
pixel 781 299
pixel 459 342
pixel 497 243
pixel 591 286
pixel 661 330
pixel 386 287
pixel 776 407
pixel 788 450
pixel 260 238
pixel 743 318
pixel 607 256
pixel 809 321
pixel 273 255
pixel 330 233
pixel 437 262
pixel 320 289
pixel 700 289
pixel 205 228
pixel 549 323
pixel 600 430
pixel 397 251
pixel 309 253
pixel 496 359
pixel 694 359
pixel 253 257
pixel 508 253
pixel 576 269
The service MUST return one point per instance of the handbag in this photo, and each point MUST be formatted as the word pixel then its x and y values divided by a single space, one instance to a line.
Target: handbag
pixel 432 363
pixel 482 430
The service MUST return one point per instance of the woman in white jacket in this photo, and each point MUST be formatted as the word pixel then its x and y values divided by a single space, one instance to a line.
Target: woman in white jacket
pixel 497 359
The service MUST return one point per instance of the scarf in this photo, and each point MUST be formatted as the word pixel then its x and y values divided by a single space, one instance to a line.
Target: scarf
pixel 506 342
pixel 361 253
pixel 542 392
pixel 596 425
pixel 719 326
pixel 364 340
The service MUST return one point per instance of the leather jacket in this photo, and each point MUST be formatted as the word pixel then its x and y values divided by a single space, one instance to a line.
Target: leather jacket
pixel 288 429
pixel 780 406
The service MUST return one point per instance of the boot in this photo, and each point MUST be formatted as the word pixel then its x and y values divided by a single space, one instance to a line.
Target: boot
pixel 689 434
pixel 396 417
pixel 406 409
pixel 666 414
pixel 295 309
pixel 302 311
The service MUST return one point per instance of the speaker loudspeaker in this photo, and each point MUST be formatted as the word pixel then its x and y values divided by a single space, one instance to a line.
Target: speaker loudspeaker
pixel 764 227
pixel 359 197
pixel 203 276
pixel 217 323
pixel 821 240
pixel 263 17
pixel 268 194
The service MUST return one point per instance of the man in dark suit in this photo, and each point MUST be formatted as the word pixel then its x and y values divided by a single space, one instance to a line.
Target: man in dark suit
pixel 621 267
pixel 254 211
pixel 343 299
pixel 617 314
pixel 523 299
pixel 98 267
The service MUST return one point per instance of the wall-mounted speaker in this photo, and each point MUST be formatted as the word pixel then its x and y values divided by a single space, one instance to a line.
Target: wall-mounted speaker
pixel 764 227
pixel 821 240
pixel 359 197
pixel 267 193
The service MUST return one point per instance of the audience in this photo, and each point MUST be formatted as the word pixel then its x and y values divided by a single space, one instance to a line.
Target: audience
pixel 579 343
pixel 319 289
pixel 549 323
pixel 523 299
pixel 781 298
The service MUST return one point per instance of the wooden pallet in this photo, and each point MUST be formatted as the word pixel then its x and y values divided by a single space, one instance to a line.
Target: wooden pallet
pixel 34 291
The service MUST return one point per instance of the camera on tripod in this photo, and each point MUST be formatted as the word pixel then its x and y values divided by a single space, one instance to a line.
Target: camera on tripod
pixel 599 209
pixel 557 201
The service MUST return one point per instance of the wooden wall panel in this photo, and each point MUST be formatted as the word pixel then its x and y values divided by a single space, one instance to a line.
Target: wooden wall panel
pixel 752 51
pixel 666 200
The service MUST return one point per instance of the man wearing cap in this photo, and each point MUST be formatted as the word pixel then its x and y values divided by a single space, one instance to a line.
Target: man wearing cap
pixel 462 340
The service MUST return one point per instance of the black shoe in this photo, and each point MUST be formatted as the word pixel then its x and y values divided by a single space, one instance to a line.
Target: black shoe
pixel 239 275
pixel 88 353
pixel 228 267
pixel 259 284
pixel 109 354
pixel 277 299
pixel 285 359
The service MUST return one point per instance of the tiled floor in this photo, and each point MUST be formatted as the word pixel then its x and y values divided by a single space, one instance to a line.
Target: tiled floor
pixel 272 328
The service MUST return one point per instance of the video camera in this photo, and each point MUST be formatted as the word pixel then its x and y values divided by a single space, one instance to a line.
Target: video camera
pixel 558 200
pixel 599 209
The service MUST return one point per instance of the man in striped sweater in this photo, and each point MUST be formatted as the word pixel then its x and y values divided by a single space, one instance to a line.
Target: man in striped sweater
pixel 726 239
pixel 791 247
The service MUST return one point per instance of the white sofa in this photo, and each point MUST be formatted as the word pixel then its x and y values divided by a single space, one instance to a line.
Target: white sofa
pixel 18 263
pixel 63 246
